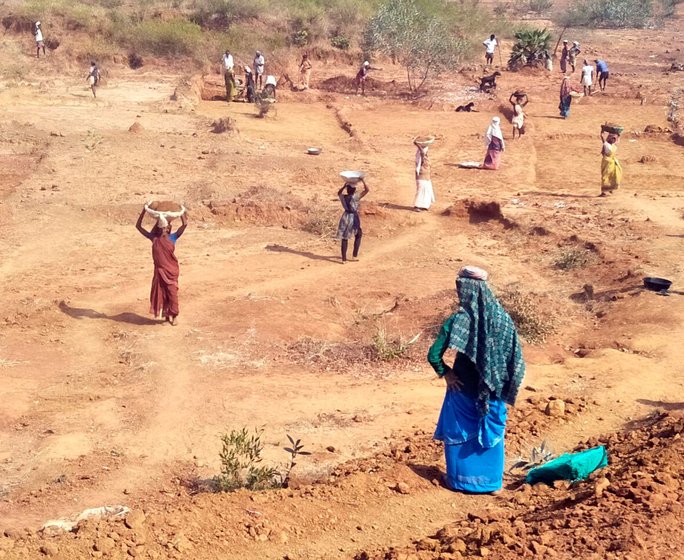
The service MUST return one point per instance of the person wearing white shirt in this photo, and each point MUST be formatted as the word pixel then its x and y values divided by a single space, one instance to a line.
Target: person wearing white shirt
pixel 229 75
pixel 587 77
pixel 259 62
pixel 490 46
pixel 40 43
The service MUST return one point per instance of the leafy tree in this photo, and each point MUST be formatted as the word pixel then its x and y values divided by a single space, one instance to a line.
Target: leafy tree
pixel 616 13
pixel 531 46
pixel 418 40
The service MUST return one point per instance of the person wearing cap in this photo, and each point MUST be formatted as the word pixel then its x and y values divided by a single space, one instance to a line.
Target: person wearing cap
pixel 602 73
pixel 259 63
pixel 304 71
pixel 249 85
pixel 490 47
pixel 425 195
pixel 486 376
pixel 228 68
pixel 361 76
pixel 40 42
pixel 565 54
pixel 573 53
pixel 350 222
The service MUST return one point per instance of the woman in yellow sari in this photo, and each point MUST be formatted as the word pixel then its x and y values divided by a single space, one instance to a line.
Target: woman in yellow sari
pixel 611 170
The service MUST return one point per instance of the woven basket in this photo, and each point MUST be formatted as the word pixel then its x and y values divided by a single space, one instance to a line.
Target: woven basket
pixel 612 128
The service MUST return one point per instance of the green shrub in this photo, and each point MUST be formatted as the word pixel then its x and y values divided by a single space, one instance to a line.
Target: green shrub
pixel 421 42
pixel 162 38
pixel 572 258
pixel 240 455
pixel 340 42
pixel 616 13
pixel 221 14
pixel 540 6
pixel 530 48
pixel 532 324
pixel 300 38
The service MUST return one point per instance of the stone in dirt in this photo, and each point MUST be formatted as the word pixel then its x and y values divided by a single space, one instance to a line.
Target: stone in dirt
pixel 402 488
pixel 135 520
pixel 49 549
pixel 602 484
pixel 136 128
pixel 555 408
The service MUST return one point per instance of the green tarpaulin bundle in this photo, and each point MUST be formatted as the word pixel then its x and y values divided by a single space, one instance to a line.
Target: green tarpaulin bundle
pixel 570 466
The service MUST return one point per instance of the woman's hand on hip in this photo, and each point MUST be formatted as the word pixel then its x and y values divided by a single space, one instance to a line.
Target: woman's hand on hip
pixel 452 381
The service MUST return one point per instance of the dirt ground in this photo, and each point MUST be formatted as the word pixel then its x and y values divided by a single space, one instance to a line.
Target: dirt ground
pixel 103 406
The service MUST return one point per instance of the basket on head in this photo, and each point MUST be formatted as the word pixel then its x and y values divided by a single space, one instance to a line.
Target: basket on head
pixel 165 206
pixel 423 140
pixel 612 128
pixel 164 211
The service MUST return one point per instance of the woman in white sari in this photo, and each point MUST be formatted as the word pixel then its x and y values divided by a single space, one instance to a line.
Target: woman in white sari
pixel 425 196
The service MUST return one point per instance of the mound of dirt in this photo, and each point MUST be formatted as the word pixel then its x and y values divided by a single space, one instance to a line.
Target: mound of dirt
pixel 263 206
pixel 648 159
pixel 136 128
pixel 478 211
pixel 631 509
pixel 346 84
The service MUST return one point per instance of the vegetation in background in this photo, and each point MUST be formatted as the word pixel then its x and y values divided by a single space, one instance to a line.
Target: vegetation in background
pixel 201 29
pixel 240 457
pixel 530 48
pixel 418 40
pixel 532 324
pixel 616 13
pixel 387 349
pixel 540 6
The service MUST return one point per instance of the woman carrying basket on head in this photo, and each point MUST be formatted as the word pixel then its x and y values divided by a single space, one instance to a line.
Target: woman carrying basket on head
pixel 425 196
pixel 350 222
pixel 611 170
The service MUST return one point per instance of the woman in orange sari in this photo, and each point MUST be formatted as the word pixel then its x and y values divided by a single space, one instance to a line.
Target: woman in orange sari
pixel 164 291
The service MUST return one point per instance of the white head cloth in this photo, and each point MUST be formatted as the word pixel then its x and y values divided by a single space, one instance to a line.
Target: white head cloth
pixel 494 131
pixel 473 272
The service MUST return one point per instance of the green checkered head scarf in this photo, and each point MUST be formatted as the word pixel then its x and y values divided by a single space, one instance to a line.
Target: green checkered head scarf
pixel 485 333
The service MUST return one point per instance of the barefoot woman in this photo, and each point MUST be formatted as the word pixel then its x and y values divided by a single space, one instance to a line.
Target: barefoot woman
pixel 164 292
pixel 486 376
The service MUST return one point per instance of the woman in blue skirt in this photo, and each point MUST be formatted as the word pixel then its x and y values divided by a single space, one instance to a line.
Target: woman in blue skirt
pixel 486 376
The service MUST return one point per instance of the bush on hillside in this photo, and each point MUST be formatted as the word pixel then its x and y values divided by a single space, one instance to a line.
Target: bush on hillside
pixel 616 13
pixel 221 14
pixel 421 42
pixel 540 6
pixel 530 48
pixel 162 38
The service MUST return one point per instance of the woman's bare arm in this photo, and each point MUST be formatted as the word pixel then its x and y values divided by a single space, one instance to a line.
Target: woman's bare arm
pixel 184 224
pixel 140 228
pixel 365 191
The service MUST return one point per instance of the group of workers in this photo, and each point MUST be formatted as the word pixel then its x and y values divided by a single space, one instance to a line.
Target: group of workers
pixel 489 367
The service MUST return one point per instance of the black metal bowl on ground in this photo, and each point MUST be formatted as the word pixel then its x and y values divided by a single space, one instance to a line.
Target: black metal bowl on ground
pixel 657 284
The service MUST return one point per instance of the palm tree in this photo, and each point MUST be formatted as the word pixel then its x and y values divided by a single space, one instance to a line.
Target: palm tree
pixel 530 49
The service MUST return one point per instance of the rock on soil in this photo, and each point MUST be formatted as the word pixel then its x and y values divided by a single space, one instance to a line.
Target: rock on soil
pixel 136 128
pixel 225 124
